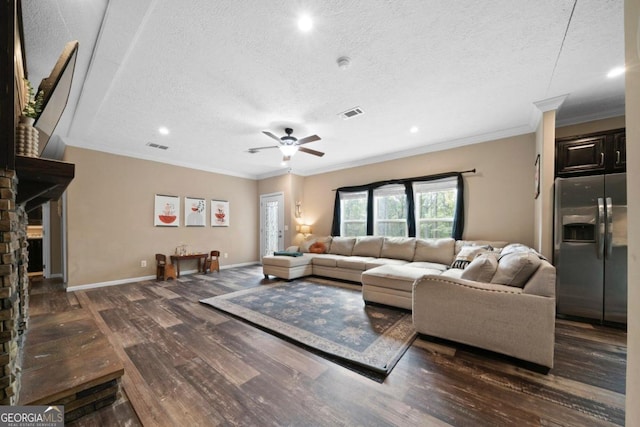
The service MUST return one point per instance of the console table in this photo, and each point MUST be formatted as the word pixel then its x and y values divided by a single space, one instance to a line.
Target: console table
pixel 175 259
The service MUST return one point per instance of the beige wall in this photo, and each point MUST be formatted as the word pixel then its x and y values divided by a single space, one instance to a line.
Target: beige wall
pixel 498 197
pixel 110 216
pixel 632 91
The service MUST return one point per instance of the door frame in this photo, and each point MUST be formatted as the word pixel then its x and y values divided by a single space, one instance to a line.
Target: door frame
pixel 46 239
pixel 281 218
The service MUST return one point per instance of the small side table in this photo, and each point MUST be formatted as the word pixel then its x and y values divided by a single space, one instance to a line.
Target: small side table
pixel 175 259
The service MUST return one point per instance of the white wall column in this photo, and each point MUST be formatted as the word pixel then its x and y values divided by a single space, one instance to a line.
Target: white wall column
pixel 632 106
pixel 545 148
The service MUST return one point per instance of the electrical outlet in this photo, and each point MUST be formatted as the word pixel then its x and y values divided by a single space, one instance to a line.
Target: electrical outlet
pixel 143 263
pixel 226 255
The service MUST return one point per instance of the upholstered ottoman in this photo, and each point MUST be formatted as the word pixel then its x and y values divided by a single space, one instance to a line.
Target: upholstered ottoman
pixel 392 284
pixel 286 267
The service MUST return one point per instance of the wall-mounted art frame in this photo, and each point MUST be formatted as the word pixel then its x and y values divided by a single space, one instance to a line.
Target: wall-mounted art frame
pixel 219 213
pixel 195 212
pixel 166 211
pixel 536 178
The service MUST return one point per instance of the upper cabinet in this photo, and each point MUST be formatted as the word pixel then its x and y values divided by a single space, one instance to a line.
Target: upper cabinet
pixel 595 153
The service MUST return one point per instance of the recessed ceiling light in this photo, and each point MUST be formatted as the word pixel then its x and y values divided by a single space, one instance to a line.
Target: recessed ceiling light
pixel 305 24
pixel 163 130
pixel 414 129
pixel 615 72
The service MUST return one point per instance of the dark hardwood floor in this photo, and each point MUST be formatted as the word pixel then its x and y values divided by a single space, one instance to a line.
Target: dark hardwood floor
pixel 188 364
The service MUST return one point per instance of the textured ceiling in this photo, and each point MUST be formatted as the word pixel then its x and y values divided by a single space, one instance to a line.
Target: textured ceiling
pixel 217 73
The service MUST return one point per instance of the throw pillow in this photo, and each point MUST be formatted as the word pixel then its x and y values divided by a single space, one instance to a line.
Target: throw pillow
pixel 305 246
pixel 482 268
pixel 467 254
pixel 317 248
pixel 514 269
pixel 519 247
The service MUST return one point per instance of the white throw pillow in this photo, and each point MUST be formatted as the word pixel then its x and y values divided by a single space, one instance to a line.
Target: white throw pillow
pixel 515 268
pixel 482 268
pixel 467 254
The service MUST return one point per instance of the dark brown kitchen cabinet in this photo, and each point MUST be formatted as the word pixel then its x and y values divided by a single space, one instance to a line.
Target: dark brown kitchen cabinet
pixel 595 153
pixel 620 151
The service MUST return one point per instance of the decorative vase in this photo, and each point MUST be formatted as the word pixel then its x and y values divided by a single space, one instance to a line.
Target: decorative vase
pixel 27 137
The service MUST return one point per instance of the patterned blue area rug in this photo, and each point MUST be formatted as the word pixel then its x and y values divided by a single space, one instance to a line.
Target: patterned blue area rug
pixel 329 317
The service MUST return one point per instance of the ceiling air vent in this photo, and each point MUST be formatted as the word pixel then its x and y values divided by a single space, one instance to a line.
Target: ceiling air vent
pixel 350 113
pixel 158 146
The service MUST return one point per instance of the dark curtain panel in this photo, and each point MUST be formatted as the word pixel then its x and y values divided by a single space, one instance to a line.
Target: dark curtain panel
pixel 411 209
pixel 458 220
pixel 335 226
pixel 370 211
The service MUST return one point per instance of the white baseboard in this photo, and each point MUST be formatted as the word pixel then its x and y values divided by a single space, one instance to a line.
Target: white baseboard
pixel 143 278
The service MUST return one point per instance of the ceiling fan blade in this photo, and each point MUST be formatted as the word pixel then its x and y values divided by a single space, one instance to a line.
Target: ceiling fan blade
pixel 256 149
pixel 269 134
pixel 310 151
pixel 308 139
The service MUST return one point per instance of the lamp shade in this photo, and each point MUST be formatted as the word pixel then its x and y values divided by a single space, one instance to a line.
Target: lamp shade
pixel 305 229
pixel 288 150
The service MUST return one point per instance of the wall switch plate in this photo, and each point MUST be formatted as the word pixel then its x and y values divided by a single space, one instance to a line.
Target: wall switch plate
pixel 143 263
pixel 226 255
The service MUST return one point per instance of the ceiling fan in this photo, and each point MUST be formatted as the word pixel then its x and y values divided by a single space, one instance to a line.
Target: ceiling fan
pixel 289 145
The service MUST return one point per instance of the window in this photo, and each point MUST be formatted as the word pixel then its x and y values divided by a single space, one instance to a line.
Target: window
pixel 390 211
pixel 435 207
pixel 425 207
pixel 354 213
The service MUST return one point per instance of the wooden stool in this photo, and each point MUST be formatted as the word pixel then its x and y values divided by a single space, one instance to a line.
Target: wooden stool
pixel 169 272
pixel 212 262
pixel 164 271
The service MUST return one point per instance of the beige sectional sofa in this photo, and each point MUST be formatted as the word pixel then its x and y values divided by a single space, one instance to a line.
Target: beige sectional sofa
pixel 488 294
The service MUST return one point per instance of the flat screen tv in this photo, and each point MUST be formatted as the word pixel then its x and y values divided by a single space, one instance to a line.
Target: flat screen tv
pixel 56 89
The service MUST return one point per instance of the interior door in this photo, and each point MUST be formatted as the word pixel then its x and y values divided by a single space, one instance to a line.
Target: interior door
pixel 271 223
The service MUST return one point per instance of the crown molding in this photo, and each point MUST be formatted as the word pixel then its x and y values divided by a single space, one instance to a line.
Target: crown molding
pixel 550 104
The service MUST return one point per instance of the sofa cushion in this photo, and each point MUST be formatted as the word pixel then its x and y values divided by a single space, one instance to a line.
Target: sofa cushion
pixel 342 245
pixel 514 269
pixel 354 262
pixel 467 254
pixel 326 260
pixel 394 277
pixel 482 268
pixel 398 248
pixel 377 262
pixel 429 265
pixel 368 246
pixel 286 261
pixel 435 250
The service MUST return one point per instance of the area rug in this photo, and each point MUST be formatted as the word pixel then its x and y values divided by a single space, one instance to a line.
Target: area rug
pixel 328 317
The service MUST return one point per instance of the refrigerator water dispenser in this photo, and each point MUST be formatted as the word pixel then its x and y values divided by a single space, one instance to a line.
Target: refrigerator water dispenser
pixel 579 228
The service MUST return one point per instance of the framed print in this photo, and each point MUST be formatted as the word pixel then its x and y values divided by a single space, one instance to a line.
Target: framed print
pixel 166 212
pixel 536 178
pixel 195 212
pixel 219 213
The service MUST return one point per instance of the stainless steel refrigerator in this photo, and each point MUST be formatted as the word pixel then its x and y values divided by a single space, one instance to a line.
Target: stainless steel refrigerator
pixel 590 252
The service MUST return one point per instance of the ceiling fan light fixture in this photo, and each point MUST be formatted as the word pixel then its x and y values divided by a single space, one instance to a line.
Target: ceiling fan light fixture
pixel 288 150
